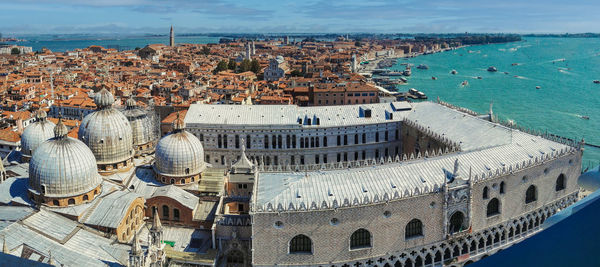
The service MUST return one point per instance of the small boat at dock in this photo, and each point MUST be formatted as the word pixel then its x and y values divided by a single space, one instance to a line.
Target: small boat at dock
pixel 423 67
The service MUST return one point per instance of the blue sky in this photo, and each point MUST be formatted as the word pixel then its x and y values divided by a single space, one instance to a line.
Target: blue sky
pixel 272 16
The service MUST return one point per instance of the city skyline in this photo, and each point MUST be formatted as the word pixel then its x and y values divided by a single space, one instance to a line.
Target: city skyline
pixel 439 16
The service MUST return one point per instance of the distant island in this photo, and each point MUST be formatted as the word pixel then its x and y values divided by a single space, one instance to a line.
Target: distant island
pixel 564 35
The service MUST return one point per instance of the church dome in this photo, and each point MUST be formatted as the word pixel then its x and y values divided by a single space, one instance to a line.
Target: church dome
pixel 142 128
pixel 36 133
pixel 179 154
pixel 107 132
pixel 63 167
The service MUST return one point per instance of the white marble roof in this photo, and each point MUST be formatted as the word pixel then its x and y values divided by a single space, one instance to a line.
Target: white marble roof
pixel 487 150
pixel 201 115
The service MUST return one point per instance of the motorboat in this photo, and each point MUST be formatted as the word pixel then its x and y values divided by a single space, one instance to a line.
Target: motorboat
pixel 596 81
pixel 454 72
pixel 538 87
pixel 585 117
pixel 479 77
pixel 464 83
pixel 434 78
pixel 423 67
pixel 492 69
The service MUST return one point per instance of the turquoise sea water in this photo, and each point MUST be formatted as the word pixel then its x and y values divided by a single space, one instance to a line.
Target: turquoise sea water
pixel 71 42
pixel 564 68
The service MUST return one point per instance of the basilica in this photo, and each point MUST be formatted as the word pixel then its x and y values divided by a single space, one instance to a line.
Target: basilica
pixel 385 184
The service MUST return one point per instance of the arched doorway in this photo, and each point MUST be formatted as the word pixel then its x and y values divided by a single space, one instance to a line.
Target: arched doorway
pixel 456 222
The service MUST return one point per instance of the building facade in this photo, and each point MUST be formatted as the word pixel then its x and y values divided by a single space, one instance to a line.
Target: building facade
pixel 285 136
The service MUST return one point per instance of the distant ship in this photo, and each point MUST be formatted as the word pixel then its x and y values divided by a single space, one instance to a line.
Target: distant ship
pixel 454 72
pixel 492 69
pixel 423 67
pixel 596 81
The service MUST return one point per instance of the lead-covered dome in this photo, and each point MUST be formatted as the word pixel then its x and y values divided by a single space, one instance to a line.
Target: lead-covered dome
pixel 35 134
pixel 142 127
pixel 179 155
pixel 63 168
pixel 107 132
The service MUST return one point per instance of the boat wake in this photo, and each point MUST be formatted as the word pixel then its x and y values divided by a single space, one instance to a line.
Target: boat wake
pixel 521 77
pixel 565 72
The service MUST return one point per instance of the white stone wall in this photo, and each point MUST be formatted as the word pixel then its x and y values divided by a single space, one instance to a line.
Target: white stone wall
pixel 331 242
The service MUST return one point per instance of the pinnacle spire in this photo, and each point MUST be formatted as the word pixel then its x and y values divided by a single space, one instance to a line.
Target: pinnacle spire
pixel 4 247
pixel 156 225
pixel 50 260
pixel 136 248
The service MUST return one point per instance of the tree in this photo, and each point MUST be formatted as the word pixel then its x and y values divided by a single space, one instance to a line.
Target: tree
pixel 205 50
pixel 357 44
pixel 231 65
pixel 245 65
pixel 15 51
pixel 296 73
pixel 254 66
pixel 220 67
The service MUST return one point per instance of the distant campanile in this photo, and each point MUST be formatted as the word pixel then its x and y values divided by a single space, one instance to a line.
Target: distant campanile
pixel 172 37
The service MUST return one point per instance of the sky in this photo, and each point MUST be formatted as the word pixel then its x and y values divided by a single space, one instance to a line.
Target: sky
pixel 299 16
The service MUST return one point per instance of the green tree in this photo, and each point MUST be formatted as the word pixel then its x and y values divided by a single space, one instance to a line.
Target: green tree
pixel 296 73
pixel 245 65
pixel 220 67
pixel 205 50
pixel 231 65
pixel 357 43
pixel 15 51
pixel 254 66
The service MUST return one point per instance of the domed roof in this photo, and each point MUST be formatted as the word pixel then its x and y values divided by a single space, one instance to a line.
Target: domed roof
pixel 36 133
pixel 141 124
pixel 63 167
pixel 107 131
pixel 179 154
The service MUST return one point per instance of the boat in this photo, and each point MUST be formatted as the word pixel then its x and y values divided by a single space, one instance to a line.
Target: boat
pixel 584 117
pixel 391 73
pixel 406 72
pixel 538 87
pixel 434 78
pixel 454 72
pixel 479 77
pixel 505 72
pixel 515 64
pixel 403 79
pixel 492 69
pixel 464 83
pixel 423 67
pixel 596 81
